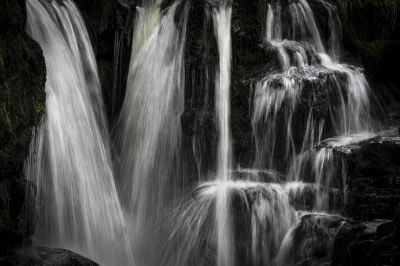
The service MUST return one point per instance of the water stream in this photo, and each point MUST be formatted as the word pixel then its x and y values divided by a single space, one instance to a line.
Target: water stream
pixel 281 211
pixel 222 27
pixel 70 162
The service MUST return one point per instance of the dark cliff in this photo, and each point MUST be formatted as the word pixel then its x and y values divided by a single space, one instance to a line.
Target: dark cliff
pixel 22 104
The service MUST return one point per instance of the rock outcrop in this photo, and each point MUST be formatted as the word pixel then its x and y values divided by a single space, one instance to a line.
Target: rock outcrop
pixel 46 256
pixel 22 104
pixel 368 243
pixel 371 37
pixel 372 179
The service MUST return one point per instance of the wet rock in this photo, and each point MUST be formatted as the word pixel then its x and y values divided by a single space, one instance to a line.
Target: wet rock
pixel 368 243
pixel 352 239
pixel 46 256
pixel 22 104
pixel 373 177
pixel 301 195
pixel 371 36
pixel 200 132
pixel 310 242
pixel 110 26
pixel 249 59
pixel 257 175
pixel 300 99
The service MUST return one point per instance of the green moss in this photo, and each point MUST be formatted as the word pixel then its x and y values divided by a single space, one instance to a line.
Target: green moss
pixel 4 118
pixel 22 104
pixel 377 48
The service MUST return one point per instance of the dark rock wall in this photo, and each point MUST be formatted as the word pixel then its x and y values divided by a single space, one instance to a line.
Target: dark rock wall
pixel 22 104
pixel 371 37
pixel 372 179
pixel 201 59
pixel 46 257
pixel 373 243
pixel 110 25
pixel 249 60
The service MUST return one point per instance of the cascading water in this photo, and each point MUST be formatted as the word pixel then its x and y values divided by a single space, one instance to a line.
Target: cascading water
pixel 78 206
pixel 278 213
pixel 307 68
pixel 222 27
pixel 148 130
pixel 310 97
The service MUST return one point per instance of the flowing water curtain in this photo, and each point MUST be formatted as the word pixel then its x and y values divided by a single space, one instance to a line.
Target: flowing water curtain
pixel 310 96
pixel 78 206
pixel 337 95
pixel 149 131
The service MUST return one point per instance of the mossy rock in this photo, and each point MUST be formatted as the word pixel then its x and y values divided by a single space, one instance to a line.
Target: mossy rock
pixel 22 105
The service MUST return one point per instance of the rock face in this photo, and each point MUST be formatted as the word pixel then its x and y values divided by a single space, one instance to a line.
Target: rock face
pixel 368 243
pixel 371 36
pixel 110 25
pixel 249 59
pixel 312 240
pixel 373 177
pixel 22 104
pixel 46 256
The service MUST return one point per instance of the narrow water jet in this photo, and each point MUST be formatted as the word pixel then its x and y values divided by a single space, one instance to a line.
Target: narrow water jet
pixel 222 28
pixel 77 202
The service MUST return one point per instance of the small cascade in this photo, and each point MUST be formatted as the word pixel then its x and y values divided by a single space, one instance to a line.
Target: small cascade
pixel 310 97
pixel 313 95
pixel 148 130
pixel 283 206
pixel 319 167
pixel 260 216
pixel 77 202
pixel 311 238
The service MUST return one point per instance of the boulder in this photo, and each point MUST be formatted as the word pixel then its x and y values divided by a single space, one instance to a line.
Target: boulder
pixel 372 178
pixel 311 240
pixel 46 256
pixel 372 243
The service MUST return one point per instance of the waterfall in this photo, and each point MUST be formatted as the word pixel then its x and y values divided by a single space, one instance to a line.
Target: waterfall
pixel 222 27
pixel 309 97
pixel 137 203
pixel 149 130
pixel 77 201
pixel 306 67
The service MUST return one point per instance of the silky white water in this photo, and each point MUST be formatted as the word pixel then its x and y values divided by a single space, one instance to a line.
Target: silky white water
pixel 222 28
pixel 148 131
pixel 311 96
pixel 77 202
pixel 305 64
pixel 272 214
